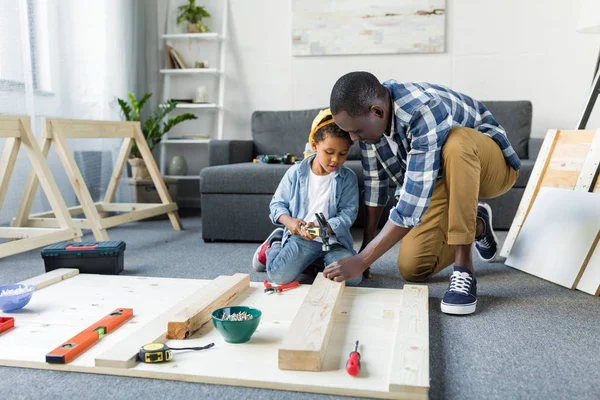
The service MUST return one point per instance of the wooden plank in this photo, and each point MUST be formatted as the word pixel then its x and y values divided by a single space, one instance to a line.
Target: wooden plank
pixel 305 344
pixel 19 246
pixel 160 209
pixel 9 123
pixel 32 183
pixel 589 281
pixel 159 183
pixel 74 210
pixel 23 233
pixel 118 170
pixel 50 278
pixel 9 133
pixel 46 179
pixel 77 181
pixel 557 236
pixel 590 167
pixel 80 223
pixel 7 164
pixel 222 291
pixel 87 129
pixel 409 370
pixel 126 207
pixel 563 162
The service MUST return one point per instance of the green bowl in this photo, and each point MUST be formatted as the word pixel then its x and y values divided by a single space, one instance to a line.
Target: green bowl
pixel 236 331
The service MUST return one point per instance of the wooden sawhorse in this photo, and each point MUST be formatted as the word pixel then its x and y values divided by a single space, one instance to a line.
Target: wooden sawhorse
pixel 57 131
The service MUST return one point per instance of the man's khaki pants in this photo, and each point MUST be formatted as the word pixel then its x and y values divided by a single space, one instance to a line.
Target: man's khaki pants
pixel 473 168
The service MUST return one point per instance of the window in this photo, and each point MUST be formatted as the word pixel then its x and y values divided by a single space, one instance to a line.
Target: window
pixel 13 38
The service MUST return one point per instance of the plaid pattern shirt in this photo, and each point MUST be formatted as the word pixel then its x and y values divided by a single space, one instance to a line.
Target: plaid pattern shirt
pixel 423 116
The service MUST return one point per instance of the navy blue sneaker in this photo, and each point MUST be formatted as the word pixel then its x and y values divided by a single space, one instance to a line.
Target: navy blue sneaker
pixel 461 296
pixel 487 243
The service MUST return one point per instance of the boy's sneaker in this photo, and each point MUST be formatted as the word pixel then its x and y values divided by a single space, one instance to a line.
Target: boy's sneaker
pixel 487 243
pixel 461 296
pixel 259 260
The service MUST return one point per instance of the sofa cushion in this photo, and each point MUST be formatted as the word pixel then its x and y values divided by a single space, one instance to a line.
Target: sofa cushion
pixel 524 173
pixel 280 132
pixel 515 117
pixel 242 178
pixel 254 178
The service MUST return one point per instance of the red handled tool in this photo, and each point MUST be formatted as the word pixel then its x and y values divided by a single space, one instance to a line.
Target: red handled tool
pixel 269 288
pixel 79 343
pixel 6 323
pixel 353 363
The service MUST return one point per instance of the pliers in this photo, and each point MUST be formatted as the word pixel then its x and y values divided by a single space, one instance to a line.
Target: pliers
pixel 270 288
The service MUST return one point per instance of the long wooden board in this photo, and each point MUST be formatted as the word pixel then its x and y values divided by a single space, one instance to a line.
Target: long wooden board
pixel 365 314
pixel 220 292
pixel 589 281
pixel 50 278
pixel 557 237
pixel 568 160
pixel 409 372
pixel 305 344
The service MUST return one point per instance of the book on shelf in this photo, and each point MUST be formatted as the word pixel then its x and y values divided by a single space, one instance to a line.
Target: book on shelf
pixel 174 59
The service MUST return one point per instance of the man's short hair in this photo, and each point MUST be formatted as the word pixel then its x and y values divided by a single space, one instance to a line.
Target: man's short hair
pixel 355 93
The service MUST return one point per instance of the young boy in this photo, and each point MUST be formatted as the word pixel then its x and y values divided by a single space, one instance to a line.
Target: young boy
pixel 318 184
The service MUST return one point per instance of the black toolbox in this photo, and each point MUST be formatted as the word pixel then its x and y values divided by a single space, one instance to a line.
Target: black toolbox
pixel 104 258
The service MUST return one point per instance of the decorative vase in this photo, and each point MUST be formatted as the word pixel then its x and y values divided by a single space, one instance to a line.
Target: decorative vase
pixel 178 166
pixel 139 171
pixel 201 95
pixel 192 28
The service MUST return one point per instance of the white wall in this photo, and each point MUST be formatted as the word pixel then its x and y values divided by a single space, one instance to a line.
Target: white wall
pixel 496 50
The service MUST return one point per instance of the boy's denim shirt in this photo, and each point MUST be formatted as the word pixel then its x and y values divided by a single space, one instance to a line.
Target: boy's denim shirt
pixel 291 198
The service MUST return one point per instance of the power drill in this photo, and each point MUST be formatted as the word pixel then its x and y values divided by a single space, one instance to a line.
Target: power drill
pixel 287 158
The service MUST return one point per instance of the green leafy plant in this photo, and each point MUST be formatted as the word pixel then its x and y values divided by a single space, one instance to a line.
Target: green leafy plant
pixel 193 14
pixel 154 127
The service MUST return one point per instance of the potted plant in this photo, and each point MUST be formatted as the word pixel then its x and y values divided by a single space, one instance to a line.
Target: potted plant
pixel 153 128
pixel 193 14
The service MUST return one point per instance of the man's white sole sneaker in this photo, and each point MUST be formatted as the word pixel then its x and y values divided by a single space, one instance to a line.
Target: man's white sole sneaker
pixel 462 309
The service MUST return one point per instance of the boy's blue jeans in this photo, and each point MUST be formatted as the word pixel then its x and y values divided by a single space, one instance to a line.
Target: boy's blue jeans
pixel 285 263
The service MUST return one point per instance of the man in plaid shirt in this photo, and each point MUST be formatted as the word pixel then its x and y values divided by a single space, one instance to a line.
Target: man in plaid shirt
pixel 443 150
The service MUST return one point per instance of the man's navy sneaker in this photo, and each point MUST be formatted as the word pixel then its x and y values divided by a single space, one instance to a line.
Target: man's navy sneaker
pixel 487 243
pixel 461 296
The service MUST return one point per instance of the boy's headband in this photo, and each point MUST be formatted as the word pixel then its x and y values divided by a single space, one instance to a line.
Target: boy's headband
pixel 319 122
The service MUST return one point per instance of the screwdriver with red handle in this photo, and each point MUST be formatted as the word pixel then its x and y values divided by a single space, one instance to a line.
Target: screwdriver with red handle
pixel 353 363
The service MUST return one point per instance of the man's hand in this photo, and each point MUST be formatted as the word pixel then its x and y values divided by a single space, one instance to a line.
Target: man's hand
pixel 345 268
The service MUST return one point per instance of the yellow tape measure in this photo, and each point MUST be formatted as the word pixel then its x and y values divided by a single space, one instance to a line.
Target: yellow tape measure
pixel 159 352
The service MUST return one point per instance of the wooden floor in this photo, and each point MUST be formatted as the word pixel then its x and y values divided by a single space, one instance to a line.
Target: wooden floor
pixel 371 316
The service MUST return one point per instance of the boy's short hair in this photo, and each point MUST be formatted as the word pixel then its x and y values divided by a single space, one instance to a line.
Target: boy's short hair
pixel 355 93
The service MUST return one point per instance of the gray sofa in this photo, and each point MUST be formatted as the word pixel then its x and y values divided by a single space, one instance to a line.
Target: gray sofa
pixel 235 193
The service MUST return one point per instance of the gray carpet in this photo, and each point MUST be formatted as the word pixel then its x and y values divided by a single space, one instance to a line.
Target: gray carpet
pixel 529 339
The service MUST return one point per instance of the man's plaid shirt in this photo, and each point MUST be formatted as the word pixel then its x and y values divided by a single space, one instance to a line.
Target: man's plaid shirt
pixel 423 116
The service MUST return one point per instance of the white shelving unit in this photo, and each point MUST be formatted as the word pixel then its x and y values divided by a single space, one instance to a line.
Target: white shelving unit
pixel 172 39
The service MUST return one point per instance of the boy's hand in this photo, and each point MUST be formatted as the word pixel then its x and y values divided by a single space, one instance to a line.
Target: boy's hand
pixel 295 225
pixel 305 233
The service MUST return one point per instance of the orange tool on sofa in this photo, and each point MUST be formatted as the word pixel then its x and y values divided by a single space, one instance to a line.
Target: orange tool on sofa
pixel 72 348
